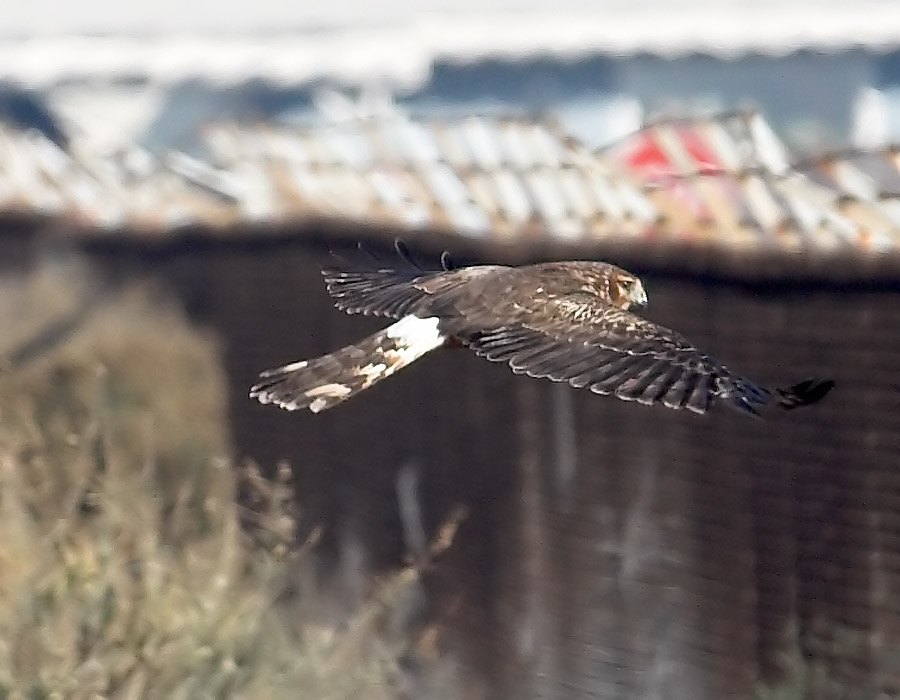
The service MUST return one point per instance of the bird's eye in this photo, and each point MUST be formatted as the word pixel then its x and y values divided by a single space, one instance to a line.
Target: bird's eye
pixel 626 283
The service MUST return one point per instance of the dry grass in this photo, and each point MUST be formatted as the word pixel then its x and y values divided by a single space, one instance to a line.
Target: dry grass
pixel 133 365
pixel 113 587
pixel 128 568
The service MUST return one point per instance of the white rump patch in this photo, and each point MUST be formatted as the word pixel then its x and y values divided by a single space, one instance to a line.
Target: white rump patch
pixel 404 342
pixel 415 337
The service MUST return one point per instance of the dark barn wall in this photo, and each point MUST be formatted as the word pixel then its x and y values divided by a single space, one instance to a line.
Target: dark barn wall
pixel 19 242
pixel 609 546
pixel 442 418
pixel 611 550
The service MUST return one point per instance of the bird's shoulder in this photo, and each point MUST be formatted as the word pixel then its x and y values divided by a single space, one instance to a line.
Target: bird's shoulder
pixel 472 275
pixel 539 282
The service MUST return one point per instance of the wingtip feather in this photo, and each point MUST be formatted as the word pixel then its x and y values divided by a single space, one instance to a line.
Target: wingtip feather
pixel 804 393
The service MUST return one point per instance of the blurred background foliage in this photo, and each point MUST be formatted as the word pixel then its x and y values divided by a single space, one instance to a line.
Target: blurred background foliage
pixel 129 565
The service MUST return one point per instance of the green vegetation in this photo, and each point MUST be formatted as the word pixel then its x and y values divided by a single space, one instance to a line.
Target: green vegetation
pixel 128 567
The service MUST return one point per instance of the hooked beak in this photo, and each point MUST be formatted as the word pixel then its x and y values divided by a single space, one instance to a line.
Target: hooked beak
pixel 637 295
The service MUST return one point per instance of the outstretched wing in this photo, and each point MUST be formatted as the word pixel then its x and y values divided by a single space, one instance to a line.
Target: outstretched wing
pixel 530 318
pixel 402 290
pixel 611 351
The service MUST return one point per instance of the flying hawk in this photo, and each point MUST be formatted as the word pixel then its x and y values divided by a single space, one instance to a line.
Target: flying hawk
pixel 565 321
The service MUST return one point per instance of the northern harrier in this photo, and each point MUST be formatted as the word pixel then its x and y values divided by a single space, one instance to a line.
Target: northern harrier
pixel 564 321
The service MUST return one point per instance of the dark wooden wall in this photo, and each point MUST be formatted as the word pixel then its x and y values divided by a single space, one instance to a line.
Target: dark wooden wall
pixel 611 550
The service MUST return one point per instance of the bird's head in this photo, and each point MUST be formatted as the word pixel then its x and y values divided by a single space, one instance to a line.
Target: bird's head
pixel 626 290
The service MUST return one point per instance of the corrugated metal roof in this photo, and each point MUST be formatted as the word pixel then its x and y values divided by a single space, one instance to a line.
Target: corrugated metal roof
pixel 398 41
pixel 730 178
pixel 726 179
pixel 475 175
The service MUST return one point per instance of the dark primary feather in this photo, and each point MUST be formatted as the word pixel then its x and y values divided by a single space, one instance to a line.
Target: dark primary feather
pixel 657 369
pixel 804 393
pixel 374 293
pixel 613 351
pixel 396 293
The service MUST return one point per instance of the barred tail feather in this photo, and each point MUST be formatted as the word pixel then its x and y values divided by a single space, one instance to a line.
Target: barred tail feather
pixel 325 381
